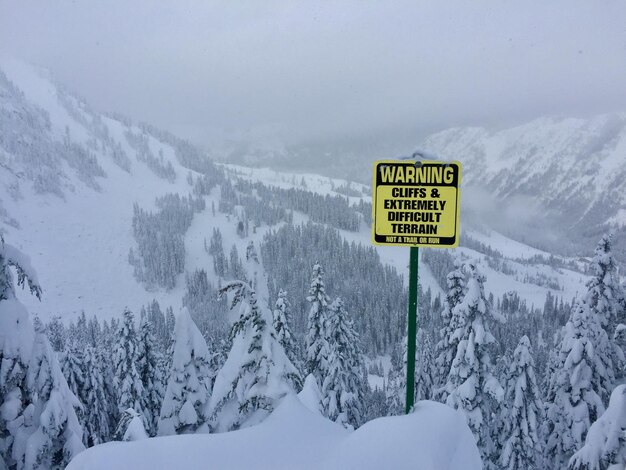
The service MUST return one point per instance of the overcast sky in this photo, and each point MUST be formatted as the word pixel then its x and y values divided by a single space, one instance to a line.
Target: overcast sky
pixel 302 71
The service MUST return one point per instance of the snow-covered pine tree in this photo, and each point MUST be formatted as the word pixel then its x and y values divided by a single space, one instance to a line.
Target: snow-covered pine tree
pixel 130 427
pixel 151 376
pixel 190 380
pixel 11 257
pixel 520 416
pixel 56 332
pixel 16 343
pixel 396 380
pixel 166 360
pixel 424 382
pixel 603 297
pixel 342 390
pixel 96 404
pixel 237 270
pixel 316 323
pixel 257 372
pixel 158 326
pixel 474 389
pixel 107 351
pixel 445 349
pixel 251 254
pixel 605 444
pixel 216 249
pixel 56 435
pixel 170 324
pixel 126 376
pixel 604 291
pixel 281 321
pixel 376 403
pixel 573 402
pixel 80 334
pixel 94 331
pixel 72 368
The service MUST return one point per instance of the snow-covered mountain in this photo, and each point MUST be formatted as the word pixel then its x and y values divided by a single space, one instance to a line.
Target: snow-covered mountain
pixel 70 178
pixel 559 175
pixel 115 214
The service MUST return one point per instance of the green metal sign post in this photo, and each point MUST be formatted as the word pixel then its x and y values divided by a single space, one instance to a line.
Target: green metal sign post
pixel 415 203
pixel 412 329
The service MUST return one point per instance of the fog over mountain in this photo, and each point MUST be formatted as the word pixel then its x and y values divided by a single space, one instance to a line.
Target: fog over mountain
pixel 367 77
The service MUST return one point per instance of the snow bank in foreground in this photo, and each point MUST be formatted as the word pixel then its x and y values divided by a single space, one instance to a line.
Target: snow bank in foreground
pixel 435 437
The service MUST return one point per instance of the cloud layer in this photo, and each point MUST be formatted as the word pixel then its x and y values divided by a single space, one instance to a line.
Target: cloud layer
pixel 307 71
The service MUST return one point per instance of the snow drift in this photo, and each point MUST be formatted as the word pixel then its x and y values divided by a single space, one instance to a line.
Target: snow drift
pixel 435 437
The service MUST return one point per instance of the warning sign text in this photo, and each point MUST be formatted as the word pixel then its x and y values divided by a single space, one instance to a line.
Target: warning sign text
pixel 412 200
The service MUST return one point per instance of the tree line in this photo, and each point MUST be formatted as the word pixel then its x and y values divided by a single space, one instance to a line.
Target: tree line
pixel 126 381
pixel 567 413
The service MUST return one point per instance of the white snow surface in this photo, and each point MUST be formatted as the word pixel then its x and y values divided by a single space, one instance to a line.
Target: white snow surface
pixel 16 330
pixel 435 437
pixel 310 395
pixel 509 248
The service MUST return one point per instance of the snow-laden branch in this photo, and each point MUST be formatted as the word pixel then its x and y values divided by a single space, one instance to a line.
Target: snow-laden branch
pixel 12 257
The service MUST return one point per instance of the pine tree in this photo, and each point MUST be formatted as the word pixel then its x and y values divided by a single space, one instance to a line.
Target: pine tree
pixel 604 291
pixel 473 388
pixel 521 446
pixel 396 380
pixel 56 333
pixel 216 249
pixel 16 344
pixel 251 254
pixel 573 402
pixel 72 367
pixel 130 427
pixel 257 372
pixel 316 323
pixel 424 382
pixel 281 321
pixel 603 297
pixel 237 270
pixel 57 435
pixel 605 444
pixel 81 334
pixel 446 348
pixel 190 380
pixel 424 375
pixel 148 368
pixel 127 379
pixel 342 390
pixel 109 350
pixel 94 332
pixel 96 405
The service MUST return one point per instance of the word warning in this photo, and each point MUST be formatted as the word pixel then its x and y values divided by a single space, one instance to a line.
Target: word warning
pixel 416 204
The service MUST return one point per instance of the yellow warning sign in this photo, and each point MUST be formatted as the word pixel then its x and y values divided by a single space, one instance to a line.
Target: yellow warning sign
pixel 416 203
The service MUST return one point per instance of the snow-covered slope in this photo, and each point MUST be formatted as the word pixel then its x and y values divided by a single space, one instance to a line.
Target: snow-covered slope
pixel 435 437
pixel 75 226
pixel 69 178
